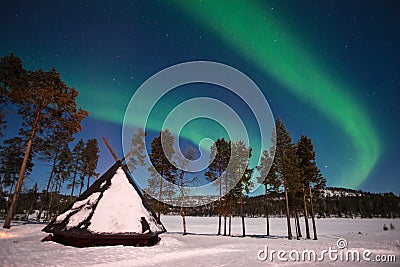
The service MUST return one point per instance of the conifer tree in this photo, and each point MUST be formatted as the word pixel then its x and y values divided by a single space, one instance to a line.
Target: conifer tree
pixel 161 151
pixel 62 173
pixel 294 186
pixel 77 163
pixel 11 158
pixel 188 155
pixel 310 175
pixel 137 149
pixel 53 150
pixel 11 75
pixel 239 171
pixel 269 179
pixel 32 197
pixel 220 155
pixel 284 164
pixel 44 103
pixel 90 160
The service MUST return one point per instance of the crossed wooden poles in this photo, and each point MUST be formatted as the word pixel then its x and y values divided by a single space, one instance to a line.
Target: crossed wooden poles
pixel 113 153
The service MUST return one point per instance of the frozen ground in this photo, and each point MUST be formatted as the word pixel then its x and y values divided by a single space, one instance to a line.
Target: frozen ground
pixel 21 246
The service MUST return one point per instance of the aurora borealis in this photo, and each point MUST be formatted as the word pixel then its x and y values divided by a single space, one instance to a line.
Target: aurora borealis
pixel 256 35
pixel 329 70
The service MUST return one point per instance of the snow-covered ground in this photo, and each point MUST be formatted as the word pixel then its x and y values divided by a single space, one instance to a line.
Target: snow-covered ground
pixel 21 245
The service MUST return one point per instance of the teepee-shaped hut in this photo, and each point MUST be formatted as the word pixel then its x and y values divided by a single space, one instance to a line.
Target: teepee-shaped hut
pixel 112 211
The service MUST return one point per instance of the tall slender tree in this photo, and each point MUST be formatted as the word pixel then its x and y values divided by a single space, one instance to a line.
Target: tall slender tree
pixel 163 172
pixel 62 173
pixel 44 103
pixel 284 164
pixel 310 175
pixel 32 197
pixel 316 185
pixel 77 163
pixel 137 148
pixel 90 160
pixel 239 171
pixel 220 155
pixel 307 157
pixel 294 185
pixel 269 179
pixel 189 154
pixel 53 150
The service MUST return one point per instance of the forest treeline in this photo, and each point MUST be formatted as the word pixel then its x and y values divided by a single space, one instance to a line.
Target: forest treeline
pixel 345 203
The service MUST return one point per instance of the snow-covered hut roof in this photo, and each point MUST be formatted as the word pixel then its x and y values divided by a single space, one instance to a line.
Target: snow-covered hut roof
pixel 112 207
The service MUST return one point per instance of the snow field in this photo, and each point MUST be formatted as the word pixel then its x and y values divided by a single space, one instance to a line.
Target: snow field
pixel 21 246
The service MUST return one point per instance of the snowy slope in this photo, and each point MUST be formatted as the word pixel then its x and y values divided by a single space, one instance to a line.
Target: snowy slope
pixel 21 246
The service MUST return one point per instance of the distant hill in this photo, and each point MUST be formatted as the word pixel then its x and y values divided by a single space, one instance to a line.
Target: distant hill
pixel 333 202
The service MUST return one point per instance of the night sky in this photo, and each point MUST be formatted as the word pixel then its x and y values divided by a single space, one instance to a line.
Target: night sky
pixel 329 69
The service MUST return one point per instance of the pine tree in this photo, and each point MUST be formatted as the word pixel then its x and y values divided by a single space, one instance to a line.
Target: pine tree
pixel 310 175
pixel 11 158
pixel 294 186
pixel 315 186
pixel 11 74
pixel 239 171
pixel 32 197
pixel 284 164
pixel 220 155
pixel 44 103
pixel 162 169
pixel 52 150
pixel 62 173
pixel 77 165
pixel 269 179
pixel 137 149
pixel 90 159
pixel 189 154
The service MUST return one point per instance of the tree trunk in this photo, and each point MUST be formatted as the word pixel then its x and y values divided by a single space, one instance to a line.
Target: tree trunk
pixel 220 207
pixel 159 199
pixel 81 186
pixel 306 214
pixel 184 223
pixel 287 209
pixel 266 211
pixel 296 215
pixel 88 182
pixel 225 216
pixel 58 197
pixel 21 176
pixel 182 212
pixel 312 212
pixel 230 224
pixel 241 209
pixel 74 179
pixel 296 229
pixel 225 203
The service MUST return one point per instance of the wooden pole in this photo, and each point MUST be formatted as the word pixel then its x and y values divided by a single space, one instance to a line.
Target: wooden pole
pixel 110 149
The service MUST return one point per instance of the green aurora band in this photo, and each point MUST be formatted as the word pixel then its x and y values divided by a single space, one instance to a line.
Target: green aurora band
pixel 257 35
